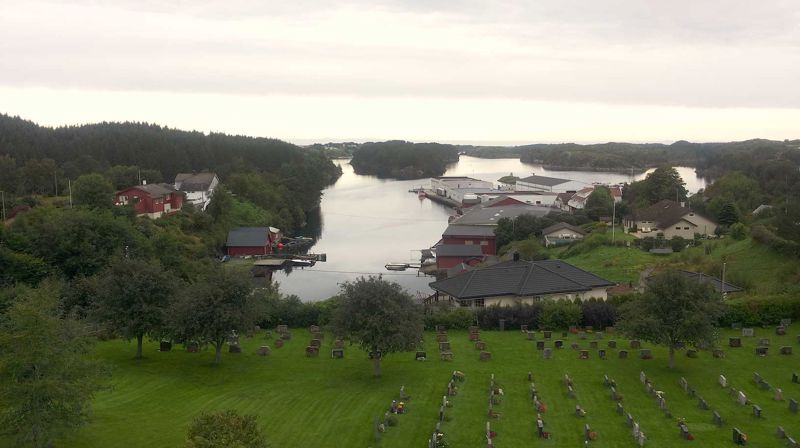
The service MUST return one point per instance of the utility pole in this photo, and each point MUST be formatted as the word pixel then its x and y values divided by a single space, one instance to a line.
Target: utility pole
pixel 613 218
pixel 69 185
pixel 55 181
pixel 3 194
pixel 724 291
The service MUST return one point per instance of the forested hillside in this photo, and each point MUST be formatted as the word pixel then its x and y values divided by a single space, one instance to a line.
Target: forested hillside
pixel 403 160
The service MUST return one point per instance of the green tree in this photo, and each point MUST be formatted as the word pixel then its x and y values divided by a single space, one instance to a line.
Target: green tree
pixel 49 378
pixel 133 297
pixel 219 302
pixel 93 191
pixel 738 231
pixel 662 183
pixel 379 316
pixel 729 214
pixel 673 311
pixel 225 429
pixel 599 203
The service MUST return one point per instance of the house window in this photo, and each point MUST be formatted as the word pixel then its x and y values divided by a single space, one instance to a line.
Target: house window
pixel 678 228
pixel 468 242
pixel 465 303
pixel 479 303
pixel 685 228
pixel 484 243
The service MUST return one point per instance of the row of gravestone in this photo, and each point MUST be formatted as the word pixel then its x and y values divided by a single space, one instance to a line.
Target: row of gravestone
pixel 445 352
pixel 437 438
pixel 495 399
pixel 778 392
pixel 540 408
pixel 658 396
pixel 638 435
pixel 716 418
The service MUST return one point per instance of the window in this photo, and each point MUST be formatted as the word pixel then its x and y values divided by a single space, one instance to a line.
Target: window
pixel 685 228
pixel 678 228
pixel 469 242
pixel 465 303
pixel 484 243
pixel 479 303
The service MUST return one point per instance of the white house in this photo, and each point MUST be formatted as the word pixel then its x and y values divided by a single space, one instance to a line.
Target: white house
pixel 670 218
pixel 445 185
pixel 198 187
pixel 549 184
pixel 561 233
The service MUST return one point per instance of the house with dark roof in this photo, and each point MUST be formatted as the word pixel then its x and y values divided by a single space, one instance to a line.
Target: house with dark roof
pixel 252 241
pixel 670 218
pixel 520 282
pixel 151 200
pixel 551 184
pixel 562 233
pixel 449 255
pixel 198 187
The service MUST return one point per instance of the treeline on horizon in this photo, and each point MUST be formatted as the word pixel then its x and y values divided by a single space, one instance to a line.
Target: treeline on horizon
pixel 279 177
pixel 403 160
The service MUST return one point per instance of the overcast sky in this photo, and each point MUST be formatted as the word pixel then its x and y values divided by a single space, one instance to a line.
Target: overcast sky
pixel 502 71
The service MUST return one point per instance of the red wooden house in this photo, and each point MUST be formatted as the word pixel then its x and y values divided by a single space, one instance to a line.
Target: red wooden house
pixel 482 236
pixel 252 241
pixel 153 201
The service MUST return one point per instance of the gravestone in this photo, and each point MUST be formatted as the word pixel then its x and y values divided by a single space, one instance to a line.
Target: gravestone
pixel 444 346
pixel 642 378
pixel 593 344
pixel 573 329
pixel 548 334
pixel 791 443
pixel 559 343
pixel 474 337
pixel 584 354
pixel 716 418
pixel 338 343
pixel 684 384
pixel 441 338
pixel 786 322
pixel 738 437
pixel 635 429
pixel 702 404
pixel 548 353
pixel 615 395
pixel 570 392
pixel 620 409
pixel 278 343
pixel 793 405
pixel 440 328
pixel 757 411
pixel 531 335
pixel 723 381
pixel 314 329
pixel 282 328
pixel 474 329
pixel 192 347
pixel 337 353
pixel 480 345
pixel 610 330
pixel 741 398
pixel 581 335
pixel 502 323
pixel 748 332
pixel 286 335
pixel 166 346
pixel 780 433
pixel 420 356
pixel 623 354
pixel 734 342
pixel 762 351
pixel 635 344
pixel 780 331
pixel 691 353
pixel 717 353
pixel 764 342
pixel 523 328
pixel 312 352
pixel 318 335
pixel 778 394
pixel 446 356
pixel 575 346
pixel 606 381
pixel 757 378
pixel 795 378
pixel 645 353
pixel 316 343
pixel 234 348
pixel 601 354
pixel 736 326
pixel 629 420
pixel 612 344
pixel 598 335
pixel 786 350
pixel 263 350
pixel 485 356
pixel 684 431
pixel 539 345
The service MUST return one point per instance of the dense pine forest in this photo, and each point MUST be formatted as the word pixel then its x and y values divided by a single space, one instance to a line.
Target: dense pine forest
pixel 403 160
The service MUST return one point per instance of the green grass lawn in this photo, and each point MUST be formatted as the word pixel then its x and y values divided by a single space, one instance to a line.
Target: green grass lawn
pixel 322 402
pixel 618 264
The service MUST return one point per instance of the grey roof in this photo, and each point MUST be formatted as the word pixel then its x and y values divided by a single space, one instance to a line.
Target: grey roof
pixel 562 225
pixel 194 182
pixel 544 180
pixel 459 250
pixel 520 278
pixel 156 190
pixel 489 216
pixel 713 281
pixel 248 237
pixel 664 213
pixel 456 230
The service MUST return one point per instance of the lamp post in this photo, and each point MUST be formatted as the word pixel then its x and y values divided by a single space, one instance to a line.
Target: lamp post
pixel 724 289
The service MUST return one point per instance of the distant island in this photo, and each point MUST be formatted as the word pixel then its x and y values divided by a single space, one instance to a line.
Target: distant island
pixel 403 160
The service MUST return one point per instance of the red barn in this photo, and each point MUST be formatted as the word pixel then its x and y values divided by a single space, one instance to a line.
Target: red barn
pixel 251 241
pixel 449 255
pixel 153 201
pixel 482 236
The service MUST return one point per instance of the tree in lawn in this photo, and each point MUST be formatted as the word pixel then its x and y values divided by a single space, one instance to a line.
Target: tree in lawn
pixel 219 302
pixel 49 376
pixel 133 297
pixel 225 429
pixel 379 316
pixel 599 203
pixel 93 191
pixel 673 311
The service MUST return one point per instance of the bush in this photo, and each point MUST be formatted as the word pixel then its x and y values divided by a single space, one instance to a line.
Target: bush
pixel 678 244
pixel 456 319
pixel 738 231
pixel 598 313
pixel 560 314
pixel 515 316
pixel 761 311
pixel 223 429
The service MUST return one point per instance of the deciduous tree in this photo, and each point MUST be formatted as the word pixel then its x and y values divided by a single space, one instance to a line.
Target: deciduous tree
pixel 225 429
pixel 93 191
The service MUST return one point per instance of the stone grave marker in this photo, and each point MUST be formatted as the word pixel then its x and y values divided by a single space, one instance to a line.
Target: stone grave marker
pixel 338 343
pixel 485 356
pixel 620 409
pixel 629 420
pixel 539 345
pixel 684 384
pixel 581 335
pixel 786 322
pixel 738 437
pixel 757 411
pixel 524 328
pixel 780 433
pixel 234 348
pixel 691 353
pixel 606 380
pixel 440 328
pixel 316 343
pixel 793 405
pixel 762 351
pixel 474 329
pixel 313 329
pixel 441 338
pixel 741 398
pixel 748 332
pixel 480 345
pixel 548 334
pixel 716 418
pixel 757 378
pixel 584 354
pixel 702 404
pixel 642 378
pixel 446 356
pixel 575 346
pixel 474 337
pixel 736 326
pixel 764 342
pixel 717 353
pixel 786 350
pixel 623 354
pixel 593 345
pixel 282 328
pixel 795 378
pixel 723 381
pixel 192 347
pixel 573 329
pixel 734 342
pixel 420 356
pixel 570 392
pixel 612 344
pixel 286 335
pixel 444 346
pixel 645 353
pixel 278 343
pixel 531 335
pixel 312 352
pixel 502 324
pixel 263 350
pixel 636 429
pixel 559 343
pixel 548 353
pixel 599 335
pixel 614 394
pixel 791 443
pixel 780 331
pixel 610 330
pixel 684 431
pixel 635 344
pixel 601 354
pixel 778 394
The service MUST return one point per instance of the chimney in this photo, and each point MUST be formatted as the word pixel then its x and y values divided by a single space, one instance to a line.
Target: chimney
pixel 516 256
pixel 144 182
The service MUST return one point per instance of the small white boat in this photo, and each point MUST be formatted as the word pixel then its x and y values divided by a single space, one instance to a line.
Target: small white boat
pixel 396 266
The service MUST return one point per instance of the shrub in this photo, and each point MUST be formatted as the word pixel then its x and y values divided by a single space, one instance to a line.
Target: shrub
pixel 761 311
pixel 458 318
pixel 223 429
pixel 515 316
pixel 560 314
pixel 738 231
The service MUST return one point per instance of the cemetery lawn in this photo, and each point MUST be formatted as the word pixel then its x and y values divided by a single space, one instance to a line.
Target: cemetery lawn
pixel 322 402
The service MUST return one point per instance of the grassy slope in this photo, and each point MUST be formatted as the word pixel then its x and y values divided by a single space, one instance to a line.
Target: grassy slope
pixel 332 403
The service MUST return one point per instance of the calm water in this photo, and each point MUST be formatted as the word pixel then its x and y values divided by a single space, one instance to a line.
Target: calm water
pixel 366 222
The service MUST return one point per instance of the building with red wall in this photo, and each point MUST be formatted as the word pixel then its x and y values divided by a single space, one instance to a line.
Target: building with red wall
pixel 153 201
pixel 251 241
pixel 482 236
